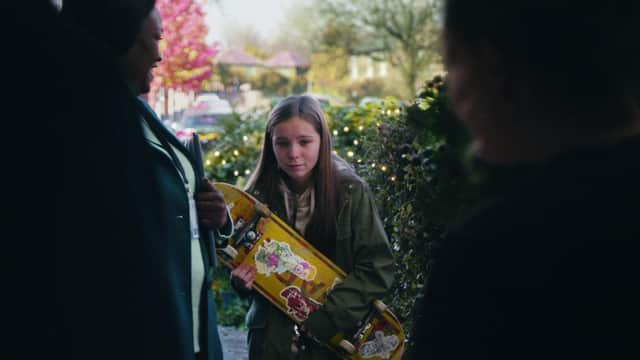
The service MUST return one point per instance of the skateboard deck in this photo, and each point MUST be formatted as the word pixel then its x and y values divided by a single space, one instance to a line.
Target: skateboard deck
pixel 297 278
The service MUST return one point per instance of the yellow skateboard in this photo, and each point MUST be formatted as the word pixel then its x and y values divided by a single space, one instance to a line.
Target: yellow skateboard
pixel 297 278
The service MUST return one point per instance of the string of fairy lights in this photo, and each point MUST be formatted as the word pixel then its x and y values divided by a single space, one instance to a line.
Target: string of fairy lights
pixel 349 152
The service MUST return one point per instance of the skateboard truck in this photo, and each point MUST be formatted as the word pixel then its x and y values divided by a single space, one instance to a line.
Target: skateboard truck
pixel 378 306
pixel 340 343
pixel 246 234
pixel 347 346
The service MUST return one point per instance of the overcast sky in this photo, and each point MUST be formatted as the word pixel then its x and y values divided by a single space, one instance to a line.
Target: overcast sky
pixel 263 15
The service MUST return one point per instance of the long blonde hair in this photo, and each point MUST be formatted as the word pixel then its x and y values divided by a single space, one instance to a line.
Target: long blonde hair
pixel 321 230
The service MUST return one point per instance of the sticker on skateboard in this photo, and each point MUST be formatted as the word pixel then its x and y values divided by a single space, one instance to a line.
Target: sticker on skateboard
pixel 381 346
pixel 298 305
pixel 276 257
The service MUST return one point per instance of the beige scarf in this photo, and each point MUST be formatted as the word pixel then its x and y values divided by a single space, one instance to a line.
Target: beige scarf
pixel 299 207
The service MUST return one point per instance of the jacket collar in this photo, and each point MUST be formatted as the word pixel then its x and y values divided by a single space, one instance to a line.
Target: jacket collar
pixel 159 129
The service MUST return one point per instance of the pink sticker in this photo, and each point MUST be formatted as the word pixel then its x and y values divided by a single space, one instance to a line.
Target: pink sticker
pixel 298 305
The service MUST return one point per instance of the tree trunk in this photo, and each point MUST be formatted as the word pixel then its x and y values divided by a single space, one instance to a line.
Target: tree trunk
pixel 165 91
pixel 411 70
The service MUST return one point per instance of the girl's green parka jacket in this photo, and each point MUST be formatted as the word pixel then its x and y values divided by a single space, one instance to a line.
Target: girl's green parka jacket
pixel 361 250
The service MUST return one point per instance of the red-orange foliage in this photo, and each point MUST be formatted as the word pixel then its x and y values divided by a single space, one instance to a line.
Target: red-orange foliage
pixel 186 55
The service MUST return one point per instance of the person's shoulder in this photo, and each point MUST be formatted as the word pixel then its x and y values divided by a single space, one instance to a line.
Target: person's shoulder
pixel 346 177
pixel 144 105
pixel 567 205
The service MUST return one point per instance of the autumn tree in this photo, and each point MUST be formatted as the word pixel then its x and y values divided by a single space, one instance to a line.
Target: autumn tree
pixel 404 32
pixel 329 72
pixel 186 57
pixel 247 38
pixel 300 32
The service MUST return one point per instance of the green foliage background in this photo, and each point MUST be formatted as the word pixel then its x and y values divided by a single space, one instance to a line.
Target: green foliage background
pixel 412 154
pixel 232 154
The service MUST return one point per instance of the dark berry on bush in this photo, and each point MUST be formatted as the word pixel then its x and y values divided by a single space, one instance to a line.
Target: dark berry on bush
pixel 404 149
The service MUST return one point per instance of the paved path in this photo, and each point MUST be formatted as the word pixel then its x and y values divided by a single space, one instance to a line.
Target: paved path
pixel 234 343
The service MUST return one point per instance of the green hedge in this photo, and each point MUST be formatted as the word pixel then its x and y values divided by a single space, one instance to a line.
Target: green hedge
pixel 414 156
pixel 231 155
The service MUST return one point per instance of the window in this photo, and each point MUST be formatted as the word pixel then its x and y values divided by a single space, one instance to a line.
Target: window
pixel 354 67
pixel 382 69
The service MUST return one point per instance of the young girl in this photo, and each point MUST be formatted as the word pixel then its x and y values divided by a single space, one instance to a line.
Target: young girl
pixel 320 196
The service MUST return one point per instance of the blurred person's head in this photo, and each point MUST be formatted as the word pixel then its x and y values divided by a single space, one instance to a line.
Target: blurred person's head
pixel 115 23
pixel 138 61
pixel 129 29
pixel 533 78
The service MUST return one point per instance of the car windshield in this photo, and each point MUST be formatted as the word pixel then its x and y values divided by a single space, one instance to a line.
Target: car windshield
pixel 203 120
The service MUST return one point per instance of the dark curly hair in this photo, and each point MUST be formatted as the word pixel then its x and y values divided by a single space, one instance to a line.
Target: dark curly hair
pixel 116 23
pixel 575 51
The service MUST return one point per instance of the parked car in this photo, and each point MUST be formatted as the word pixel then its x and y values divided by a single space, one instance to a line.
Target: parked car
pixel 206 97
pixel 368 100
pixel 203 117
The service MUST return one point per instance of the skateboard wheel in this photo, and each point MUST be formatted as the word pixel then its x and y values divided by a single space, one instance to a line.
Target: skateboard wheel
pixel 251 235
pixel 380 306
pixel 347 346
pixel 230 251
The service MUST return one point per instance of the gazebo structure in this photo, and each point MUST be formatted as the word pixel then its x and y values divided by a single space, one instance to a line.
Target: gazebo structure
pixel 287 63
pixel 236 61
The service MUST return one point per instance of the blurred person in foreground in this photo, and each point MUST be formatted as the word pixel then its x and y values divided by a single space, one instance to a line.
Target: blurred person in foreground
pixel 187 206
pixel 75 197
pixel 162 265
pixel 550 91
